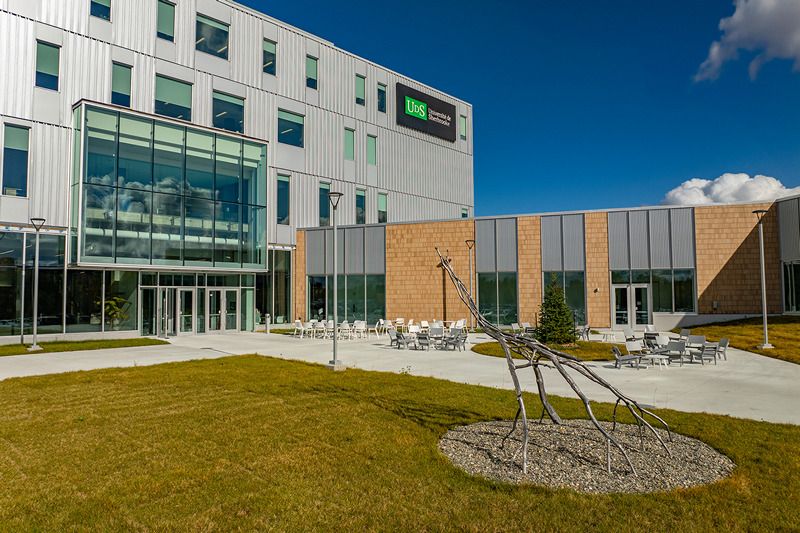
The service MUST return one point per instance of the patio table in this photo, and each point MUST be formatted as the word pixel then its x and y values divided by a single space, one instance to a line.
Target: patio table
pixel 657 358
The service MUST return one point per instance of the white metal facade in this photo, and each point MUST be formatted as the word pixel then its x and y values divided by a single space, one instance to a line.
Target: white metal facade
pixel 424 177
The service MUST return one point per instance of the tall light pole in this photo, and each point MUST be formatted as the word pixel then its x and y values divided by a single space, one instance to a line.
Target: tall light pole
pixel 760 214
pixel 470 245
pixel 334 198
pixel 37 225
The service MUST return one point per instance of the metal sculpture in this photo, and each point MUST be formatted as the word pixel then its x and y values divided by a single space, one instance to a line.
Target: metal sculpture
pixel 538 355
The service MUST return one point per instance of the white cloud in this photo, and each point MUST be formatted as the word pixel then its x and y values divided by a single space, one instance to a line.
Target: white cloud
pixel 771 28
pixel 728 188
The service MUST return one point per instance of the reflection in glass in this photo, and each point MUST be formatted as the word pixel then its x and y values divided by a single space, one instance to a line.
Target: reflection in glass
pixel 228 160
pixel 84 300
pixel 199 231
pixel 101 147
pixel 211 37
pixel 662 291
pixel 120 304
pixel 168 158
pixel 228 112
pixel 507 297
pixel 575 295
pixel 135 153
pixel 684 291
pixel 376 298
pixel 167 237
pixel 98 214
pixel 316 297
pixel 199 164
pixel 254 232
pixel 226 233
pixel 133 226
pixel 254 175
pixel 356 306
pixel 282 200
pixel 324 204
pixel 487 296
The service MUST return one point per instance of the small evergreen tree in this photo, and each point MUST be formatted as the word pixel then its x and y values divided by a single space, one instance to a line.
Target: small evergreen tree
pixel 556 323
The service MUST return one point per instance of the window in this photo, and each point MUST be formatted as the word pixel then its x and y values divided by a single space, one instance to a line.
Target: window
pixel 573 285
pixel 662 291
pixel 383 215
pixel 101 9
pixel 311 72
pixel 464 212
pixel 228 112
pixel 283 199
pixel 361 83
pixel 684 291
pixel 324 204
pixel 165 25
pixel 212 37
pixel 372 156
pixel 462 127
pixel 290 128
pixel 382 98
pixel 270 59
pixel 173 98
pixel 15 161
pixel 361 206
pixel 121 85
pixel 47 65
pixel 349 144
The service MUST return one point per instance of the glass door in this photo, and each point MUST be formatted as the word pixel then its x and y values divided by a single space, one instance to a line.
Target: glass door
pixel 149 312
pixel 186 311
pixel 621 306
pixel 214 310
pixel 641 305
pixel 166 312
pixel 231 310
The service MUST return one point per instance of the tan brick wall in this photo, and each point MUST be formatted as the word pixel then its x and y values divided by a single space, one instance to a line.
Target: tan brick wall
pixel 728 259
pixel 529 264
pixel 299 278
pixel 598 304
pixel 415 286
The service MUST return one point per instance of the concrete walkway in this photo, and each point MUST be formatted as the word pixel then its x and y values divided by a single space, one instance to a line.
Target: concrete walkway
pixel 746 385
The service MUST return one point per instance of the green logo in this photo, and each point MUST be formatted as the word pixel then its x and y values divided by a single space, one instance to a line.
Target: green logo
pixel 416 109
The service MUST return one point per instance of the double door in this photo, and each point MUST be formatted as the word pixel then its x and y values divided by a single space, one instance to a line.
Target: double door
pixel 631 306
pixel 223 310
pixel 175 311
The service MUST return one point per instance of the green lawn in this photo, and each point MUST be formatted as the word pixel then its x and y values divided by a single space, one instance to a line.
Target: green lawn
pixel 72 346
pixel 784 334
pixel 252 443
pixel 588 351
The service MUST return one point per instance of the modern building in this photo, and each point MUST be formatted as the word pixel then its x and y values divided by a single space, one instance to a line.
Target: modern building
pixel 174 148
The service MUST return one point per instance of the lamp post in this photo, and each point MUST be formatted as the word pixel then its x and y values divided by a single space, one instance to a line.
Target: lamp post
pixel 760 214
pixel 334 198
pixel 470 245
pixel 37 225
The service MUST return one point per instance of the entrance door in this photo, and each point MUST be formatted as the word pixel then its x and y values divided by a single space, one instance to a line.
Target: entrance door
pixel 186 311
pixel 166 312
pixel 641 305
pixel 215 310
pixel 223 310
pixel 231 310
pixel 631 306
pixel 621 306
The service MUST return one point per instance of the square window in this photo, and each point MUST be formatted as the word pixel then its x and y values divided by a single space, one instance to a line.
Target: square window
pixel 290 128
pixel 228 112
pixel 173 98
pixel 165 25
pixel 270 57
pixel 211 37
pixel 100 9
pixel 47 60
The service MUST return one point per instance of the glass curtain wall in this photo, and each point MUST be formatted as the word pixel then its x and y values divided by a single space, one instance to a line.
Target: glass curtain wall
pixel 497 297
pixel 274 289
pixel 50 307
pixel 361 297
pixel 162 194
pixel 573 283
pixel 11 249
pixel 673 291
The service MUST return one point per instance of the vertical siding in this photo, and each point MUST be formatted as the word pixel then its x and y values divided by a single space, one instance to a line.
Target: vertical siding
pixel 485 246
pixel 618 256
pixel 574 242
pixel 375 250
pixel 639 240
pixel 551 244
pixel 17 65
pixel 315 252
pixel 660 256
pixel 789 225
pixel 354 252
pixel 134 23
pixel 683 253
pixel 506 238
pixel 50 150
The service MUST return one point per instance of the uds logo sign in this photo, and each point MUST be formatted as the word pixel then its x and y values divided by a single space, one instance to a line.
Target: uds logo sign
pixel 417 109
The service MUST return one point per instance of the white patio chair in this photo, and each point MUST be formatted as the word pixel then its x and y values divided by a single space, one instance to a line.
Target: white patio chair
pixel 400 324
pixel 722 348
pixel 298 329
pixel 320 329
pixel 634 347
pixel 424 326
pixel 379 327
pixel 308 329
pixel 360 329
pixel 410 323
pixel 330 329
pixel 515 329
pixel 413 328
pixel 345 331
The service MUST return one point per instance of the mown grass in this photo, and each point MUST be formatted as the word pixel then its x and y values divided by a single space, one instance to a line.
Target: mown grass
pixel 748 334
pixel 72 346
pixel 253 443
pixel 588 351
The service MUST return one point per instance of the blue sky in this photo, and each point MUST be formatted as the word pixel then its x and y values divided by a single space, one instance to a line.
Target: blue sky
pixel 583 104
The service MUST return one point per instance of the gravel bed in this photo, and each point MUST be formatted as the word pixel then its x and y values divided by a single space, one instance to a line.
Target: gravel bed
pixel 573 455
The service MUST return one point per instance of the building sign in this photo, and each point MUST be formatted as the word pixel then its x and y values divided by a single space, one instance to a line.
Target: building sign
pixel 425 113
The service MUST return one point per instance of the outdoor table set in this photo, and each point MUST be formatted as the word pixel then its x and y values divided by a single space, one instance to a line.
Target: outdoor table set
pixel 662 350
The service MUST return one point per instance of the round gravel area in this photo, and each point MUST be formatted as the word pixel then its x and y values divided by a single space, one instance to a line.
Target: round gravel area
pixel 573 455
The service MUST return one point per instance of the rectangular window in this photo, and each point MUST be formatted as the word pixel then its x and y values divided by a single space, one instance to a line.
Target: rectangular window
pixel 47 59
pixel 311 72
pixel 121 85
pixel 361 84
pixel 101 9
pixel 575 295
pixel 228 112
pixel 349 144
pixel 684 291
pixel 383 213
pixel 15 161
pixel 361 206
pixel 382 98
pixel 464 212
pixel 165 25
pixel 283 199
pixel 462 127
pixel 324 204
pixel 270 58
pixel 662 291
pixel 372 149
pixel 173 98
pixel 211 37
pixel 290 128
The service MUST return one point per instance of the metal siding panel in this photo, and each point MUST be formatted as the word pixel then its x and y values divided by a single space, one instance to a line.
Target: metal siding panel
pixel 551 243
pixel 328 251
pixel 506 232
pixel 660 256
pixel 573 242
pixel 485 260
pixel 640 249
pixel 789 224
pixel 375 250
pixel 315 252
pixel 618 257
pixel 354 241
pixel 682 235
pixel 17 65
pixel 134 25
pixel 49 177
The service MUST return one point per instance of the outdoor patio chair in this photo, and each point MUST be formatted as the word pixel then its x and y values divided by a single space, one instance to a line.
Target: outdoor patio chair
pixel 635 348
pixel 515 329
pixel 399 324
pixel 457 339
pixel 330 329
pixel 405 339
pixel 360 329
pixel 410 323
pixel 583 333
pixel 414 328
pixel 722 348
pixel 378 327
pixel 685 334
pixel 392 336
pixel 527 329
pixel 708 353
pixel 620 359
pixel 423 342
pixel 630 335
pixel 694 345
pixel 308 330
pixel 320 329
pixel 424 326
pixel 436 335
pixel 674 349
pixel 298 329
pixel 650 328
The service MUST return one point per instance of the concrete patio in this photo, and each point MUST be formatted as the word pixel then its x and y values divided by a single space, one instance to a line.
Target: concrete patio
pixel 746 385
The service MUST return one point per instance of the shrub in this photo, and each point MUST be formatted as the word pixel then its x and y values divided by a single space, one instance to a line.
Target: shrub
pixel 556 323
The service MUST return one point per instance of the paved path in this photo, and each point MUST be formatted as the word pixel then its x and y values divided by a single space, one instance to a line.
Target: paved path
pixel 747 385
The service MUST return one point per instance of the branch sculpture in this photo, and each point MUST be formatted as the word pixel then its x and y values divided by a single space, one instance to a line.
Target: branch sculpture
pixel 537 355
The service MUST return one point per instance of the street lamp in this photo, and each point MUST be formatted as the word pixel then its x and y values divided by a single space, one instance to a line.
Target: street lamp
pixel 760 214
pixel 334 198
pixel 37 225
pixel 470 245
